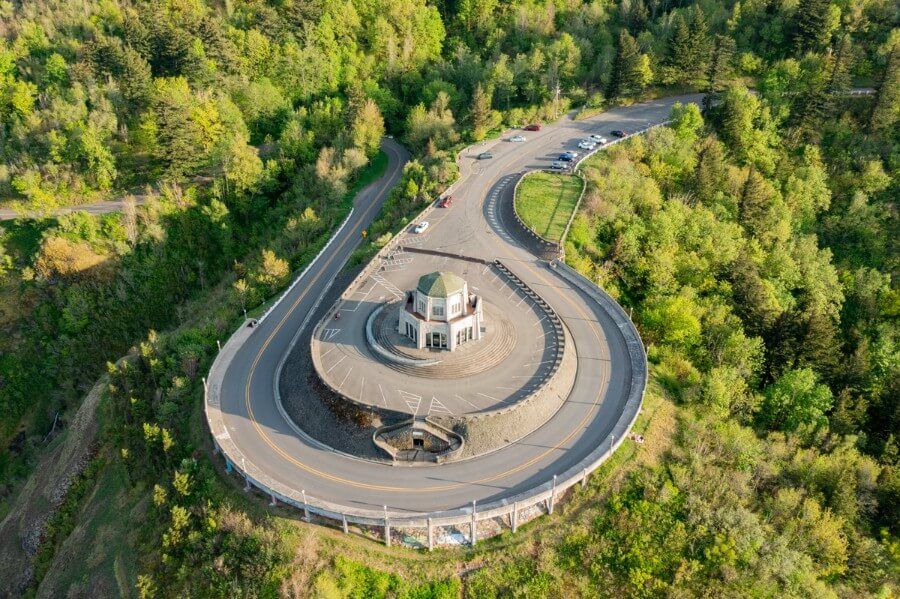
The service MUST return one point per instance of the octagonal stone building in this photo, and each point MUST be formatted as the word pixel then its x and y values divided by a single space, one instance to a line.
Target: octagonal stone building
pixel 440 313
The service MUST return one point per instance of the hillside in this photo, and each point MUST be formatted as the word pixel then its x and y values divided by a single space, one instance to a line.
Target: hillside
pixel 754 241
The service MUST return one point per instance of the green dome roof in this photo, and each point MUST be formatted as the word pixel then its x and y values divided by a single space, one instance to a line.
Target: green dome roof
pixel 440 284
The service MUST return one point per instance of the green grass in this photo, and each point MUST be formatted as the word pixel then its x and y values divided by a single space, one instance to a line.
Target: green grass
pixel 545 201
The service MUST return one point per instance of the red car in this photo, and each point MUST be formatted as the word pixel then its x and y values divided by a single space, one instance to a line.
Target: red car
pixel 446 202
pixel 533 127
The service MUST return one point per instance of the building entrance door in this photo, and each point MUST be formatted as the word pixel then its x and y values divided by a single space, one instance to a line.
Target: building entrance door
pixel 436 340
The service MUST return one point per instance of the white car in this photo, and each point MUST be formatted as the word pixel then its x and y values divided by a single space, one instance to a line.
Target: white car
pixel 517 138
pixel 559 165
pixel 598 138
pixel 421 227
pixel 587 145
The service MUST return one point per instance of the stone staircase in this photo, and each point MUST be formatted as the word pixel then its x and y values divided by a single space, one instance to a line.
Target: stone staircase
pixel 465 361
pixel 438 443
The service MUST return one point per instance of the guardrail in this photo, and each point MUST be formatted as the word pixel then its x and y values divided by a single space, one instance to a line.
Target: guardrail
pixel 545 495
pixel 509 508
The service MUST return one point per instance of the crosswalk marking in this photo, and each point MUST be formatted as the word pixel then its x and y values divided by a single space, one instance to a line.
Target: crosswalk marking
pixel 437 407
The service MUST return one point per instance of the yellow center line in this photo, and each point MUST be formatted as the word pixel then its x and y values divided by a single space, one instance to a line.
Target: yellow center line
pixel 353 483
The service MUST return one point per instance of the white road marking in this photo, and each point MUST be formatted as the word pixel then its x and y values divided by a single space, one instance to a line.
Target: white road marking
pixel 466 400
pixel 383 398
pixel 335 364
pixel 345 378
pixel 437 407
pixel 412 400
pixel 330 334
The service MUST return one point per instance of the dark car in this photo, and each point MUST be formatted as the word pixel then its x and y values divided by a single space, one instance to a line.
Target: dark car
pixel 567 157
pixel 618 133
pixel 533 127
pixel 485 156
pixel 446 202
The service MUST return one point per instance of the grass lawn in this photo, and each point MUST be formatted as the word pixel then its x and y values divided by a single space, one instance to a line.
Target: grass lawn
pixel 545 202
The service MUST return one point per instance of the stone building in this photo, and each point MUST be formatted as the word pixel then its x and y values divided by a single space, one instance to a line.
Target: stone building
pixel 440 313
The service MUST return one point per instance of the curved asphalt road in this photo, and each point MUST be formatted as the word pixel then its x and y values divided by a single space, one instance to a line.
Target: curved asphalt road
pixel 476 225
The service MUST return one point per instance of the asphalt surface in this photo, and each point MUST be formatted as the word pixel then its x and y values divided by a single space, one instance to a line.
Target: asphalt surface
pixel 476 225
pixel 349 366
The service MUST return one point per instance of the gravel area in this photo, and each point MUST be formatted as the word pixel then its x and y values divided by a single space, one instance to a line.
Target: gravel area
pixel 321 414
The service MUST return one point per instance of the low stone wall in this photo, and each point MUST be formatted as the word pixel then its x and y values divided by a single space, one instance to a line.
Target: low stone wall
pixel 387 355
pixel 485 433
pixel 515 226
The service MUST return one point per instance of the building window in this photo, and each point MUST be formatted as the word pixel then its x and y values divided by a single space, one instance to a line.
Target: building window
pixel 454 308
pixel 437 310
pixel 436 340
pixel 421 307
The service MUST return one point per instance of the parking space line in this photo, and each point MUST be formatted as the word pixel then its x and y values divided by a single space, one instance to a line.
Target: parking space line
pixel 335 364
pixel 466 400
pixel 345 378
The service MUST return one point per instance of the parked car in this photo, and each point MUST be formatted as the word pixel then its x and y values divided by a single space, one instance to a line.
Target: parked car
pixel 485 156
pixel 568 156
pixel 445 202
pixel 558 165
pixel 517 138
pixel 618 133
pixel 421 227
pixel 587 144
pixel 598 138
pixel 533 127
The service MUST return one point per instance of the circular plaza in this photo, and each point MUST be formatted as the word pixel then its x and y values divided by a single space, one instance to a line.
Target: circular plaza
pixel 443 357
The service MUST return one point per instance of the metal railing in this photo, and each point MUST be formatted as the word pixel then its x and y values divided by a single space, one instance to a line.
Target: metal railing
pixel 510 508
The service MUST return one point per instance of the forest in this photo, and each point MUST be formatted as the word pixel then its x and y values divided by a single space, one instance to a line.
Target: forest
pixel 754 239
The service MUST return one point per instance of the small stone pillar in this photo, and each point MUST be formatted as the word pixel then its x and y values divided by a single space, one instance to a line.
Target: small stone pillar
pixel 473 533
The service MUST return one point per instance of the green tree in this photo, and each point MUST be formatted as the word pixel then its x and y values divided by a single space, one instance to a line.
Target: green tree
pixel 814 23
pixel 688 55
pixel 367 128
pixel 481 117
pixel 241 166
pixel 719 71
pixel 630 70
pixel 886 108
pixel 796 399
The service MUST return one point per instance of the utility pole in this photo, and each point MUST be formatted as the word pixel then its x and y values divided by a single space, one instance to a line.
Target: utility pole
pixel 556 101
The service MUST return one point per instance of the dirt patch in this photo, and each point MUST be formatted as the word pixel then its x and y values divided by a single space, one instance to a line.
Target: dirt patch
pixel 42 494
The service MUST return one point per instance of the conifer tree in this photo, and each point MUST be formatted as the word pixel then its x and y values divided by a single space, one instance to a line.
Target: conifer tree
pixel 480 114
pixel 812 26
pixel 755 205
pixel 699 56
pixel 719 69
pixel 886 108
pixel 839 64
pixel 630 71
